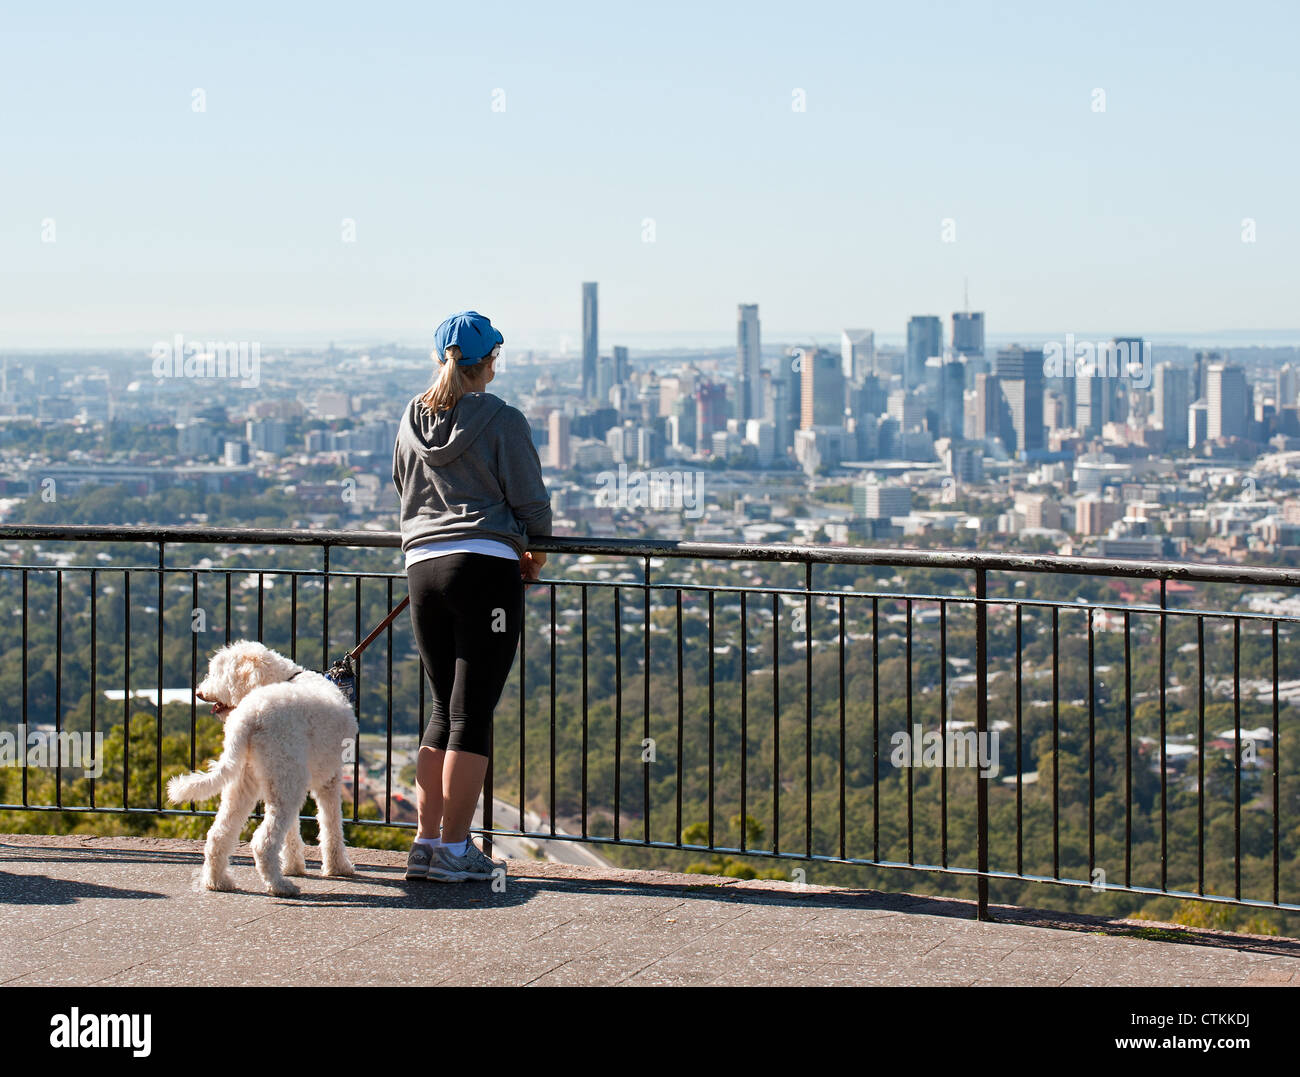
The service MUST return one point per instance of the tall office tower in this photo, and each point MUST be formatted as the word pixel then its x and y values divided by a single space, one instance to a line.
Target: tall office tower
pixel 969 418
pixel 776 409
pixel 557 434
pixel 590 339
pixel 1288 386
pixel 1172 401
pixel 1090 404
pixel 1263 408
pixel 649 446
pixel 710 412
pixel 792 373
pixel 951 397
pixel 1227 401
pixel 987 410
pixel 930 387
pixel 670 389
pixel 1095 394
pixel 604 380
pixel 1198 424
pixel 1131 364
pixel 857 354
pixel 621 440
pixel 1053 410
pixel 748 403
pixel 1200 373
pixel 681 423
pixel 621 367
pixel 1065 386
pixel 968 333
pixel 1020 374
pixel 765 381
pixel 762 434
pixel 924 339
pixel 821 390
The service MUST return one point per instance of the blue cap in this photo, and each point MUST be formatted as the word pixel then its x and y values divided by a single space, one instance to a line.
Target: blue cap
pixel 469 331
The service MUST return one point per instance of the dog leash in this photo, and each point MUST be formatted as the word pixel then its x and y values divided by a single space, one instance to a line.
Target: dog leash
pixel 380 627
pixel 343 672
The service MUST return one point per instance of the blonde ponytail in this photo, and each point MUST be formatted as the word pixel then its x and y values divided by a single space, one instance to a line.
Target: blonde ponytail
pixel 450 385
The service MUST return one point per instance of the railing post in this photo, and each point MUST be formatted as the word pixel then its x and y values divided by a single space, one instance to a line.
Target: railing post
pixel 324 613
pixel 158 725
pixel 981 737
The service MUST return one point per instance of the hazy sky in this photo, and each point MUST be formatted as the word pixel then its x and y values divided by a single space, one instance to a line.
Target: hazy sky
pixel 228 220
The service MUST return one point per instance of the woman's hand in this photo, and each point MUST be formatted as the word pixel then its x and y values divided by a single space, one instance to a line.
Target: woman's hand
pixel 530 565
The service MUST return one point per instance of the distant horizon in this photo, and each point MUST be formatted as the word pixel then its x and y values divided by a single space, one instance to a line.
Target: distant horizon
pixel 553 340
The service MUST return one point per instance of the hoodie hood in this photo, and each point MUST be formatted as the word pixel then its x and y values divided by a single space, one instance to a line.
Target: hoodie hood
pixel 440 438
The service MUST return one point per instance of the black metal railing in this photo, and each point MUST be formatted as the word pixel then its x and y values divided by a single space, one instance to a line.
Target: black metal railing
pixel 791 742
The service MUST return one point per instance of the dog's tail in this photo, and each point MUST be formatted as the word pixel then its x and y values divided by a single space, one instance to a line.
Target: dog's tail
pixel 206 784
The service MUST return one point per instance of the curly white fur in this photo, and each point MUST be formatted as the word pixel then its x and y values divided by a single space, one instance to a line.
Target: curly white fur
pixel 283 739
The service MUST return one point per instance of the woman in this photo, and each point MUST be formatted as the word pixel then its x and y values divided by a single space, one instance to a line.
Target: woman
pixel 472 497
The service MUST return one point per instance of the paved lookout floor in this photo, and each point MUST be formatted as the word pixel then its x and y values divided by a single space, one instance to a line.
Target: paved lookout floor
pixel 118 911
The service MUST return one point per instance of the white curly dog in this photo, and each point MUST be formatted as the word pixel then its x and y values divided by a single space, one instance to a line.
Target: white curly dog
pixel 285 732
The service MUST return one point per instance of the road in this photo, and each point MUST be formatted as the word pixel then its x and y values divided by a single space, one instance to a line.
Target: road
pixel 559 852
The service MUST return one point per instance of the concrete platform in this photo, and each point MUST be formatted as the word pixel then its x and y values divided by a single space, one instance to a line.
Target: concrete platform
pixel 121 911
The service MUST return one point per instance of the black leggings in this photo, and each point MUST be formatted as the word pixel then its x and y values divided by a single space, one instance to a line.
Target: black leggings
pixel 467 611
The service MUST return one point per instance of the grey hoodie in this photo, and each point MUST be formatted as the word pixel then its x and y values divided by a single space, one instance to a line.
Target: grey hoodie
pixel 471 471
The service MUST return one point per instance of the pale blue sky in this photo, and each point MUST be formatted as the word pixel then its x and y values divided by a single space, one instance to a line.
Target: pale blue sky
pixel 1067 220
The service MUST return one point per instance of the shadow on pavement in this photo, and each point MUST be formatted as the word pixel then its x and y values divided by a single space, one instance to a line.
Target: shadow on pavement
pixel 43 890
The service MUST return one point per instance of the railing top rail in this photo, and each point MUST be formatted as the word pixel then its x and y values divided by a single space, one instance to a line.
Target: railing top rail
pixel 724 551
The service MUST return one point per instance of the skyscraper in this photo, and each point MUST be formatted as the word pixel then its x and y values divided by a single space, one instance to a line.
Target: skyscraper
pixel 1200 377
pixel 604 380
pixel 776 408
pixel 857 354
pixel 1227 401
pixel 951 398
pixel 1020 374
pixel 710 412
pixel 1132 363
pixel 748 403
pixel 968 333
pixel 821 390
pixel 791 373
pixel 1198 424
pixel 558 437
pixel 987 409
pixel 1172 401
pixel 1095 392
pixel 1288 385
pixel 590 335
pixel 924 339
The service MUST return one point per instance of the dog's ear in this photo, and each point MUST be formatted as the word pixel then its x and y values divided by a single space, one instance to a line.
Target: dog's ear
pixel 250 671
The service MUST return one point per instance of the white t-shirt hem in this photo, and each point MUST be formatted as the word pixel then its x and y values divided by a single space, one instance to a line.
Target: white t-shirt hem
pixel 443 547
